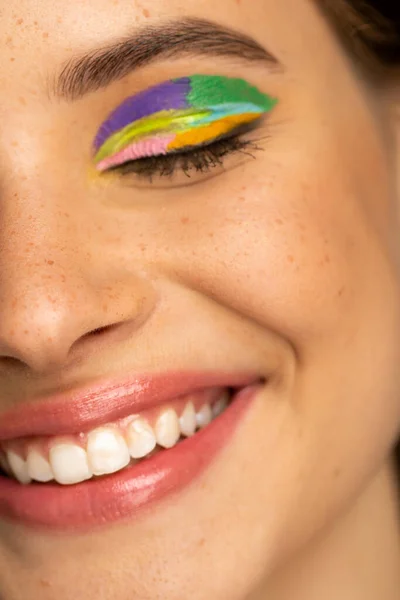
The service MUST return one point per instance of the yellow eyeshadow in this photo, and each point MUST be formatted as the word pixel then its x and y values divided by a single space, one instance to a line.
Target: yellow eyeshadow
pixel 203 134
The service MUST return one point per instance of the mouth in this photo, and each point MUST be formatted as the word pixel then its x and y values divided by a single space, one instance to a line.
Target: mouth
pixel 82 460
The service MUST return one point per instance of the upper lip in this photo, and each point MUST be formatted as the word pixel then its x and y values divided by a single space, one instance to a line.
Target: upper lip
pixel 82 409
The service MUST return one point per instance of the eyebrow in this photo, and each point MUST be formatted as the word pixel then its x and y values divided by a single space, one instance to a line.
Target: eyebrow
pixel 187 37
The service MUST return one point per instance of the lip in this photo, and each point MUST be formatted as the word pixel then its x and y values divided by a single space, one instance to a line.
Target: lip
pixel 127 493
pixel 124 494
pixel 77 411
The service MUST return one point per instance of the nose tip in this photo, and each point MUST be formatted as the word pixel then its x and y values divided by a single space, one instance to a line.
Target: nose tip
pixel 49 328
pixel 40 332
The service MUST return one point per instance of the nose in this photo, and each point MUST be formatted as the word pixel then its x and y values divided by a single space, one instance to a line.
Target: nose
pixel 57 290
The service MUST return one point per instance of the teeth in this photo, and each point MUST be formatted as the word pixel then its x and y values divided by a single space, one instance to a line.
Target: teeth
pixel 220 405
pixel 140 438
pixel 38 467
pixel 107 451
pixel 167 429
pixel 69 463
pixel 204 416
pixel 18 467
pixel 187 420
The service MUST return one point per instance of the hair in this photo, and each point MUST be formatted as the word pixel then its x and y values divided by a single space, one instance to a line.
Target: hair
pixel 370 31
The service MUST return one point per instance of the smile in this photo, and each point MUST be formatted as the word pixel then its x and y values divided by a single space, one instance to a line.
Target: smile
pixel 100 455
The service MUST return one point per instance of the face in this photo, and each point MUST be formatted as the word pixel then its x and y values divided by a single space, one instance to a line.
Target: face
pixel 257 252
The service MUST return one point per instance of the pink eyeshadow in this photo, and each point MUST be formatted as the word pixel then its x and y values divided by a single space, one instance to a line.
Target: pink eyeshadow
pixel 148 147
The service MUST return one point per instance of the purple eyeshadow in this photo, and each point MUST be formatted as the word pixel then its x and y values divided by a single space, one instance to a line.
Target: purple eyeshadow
pixel 167 96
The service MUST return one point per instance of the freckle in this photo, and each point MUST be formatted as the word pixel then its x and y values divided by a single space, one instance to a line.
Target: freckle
pixel 290 258
pixel 279 221
pixel 20 21
pixel 336 472
pixel 341 292
pixel 146 13
pixel 22 101
pixel 50 262
pixel 184 220
pixel 45 35
pixel 327 258
pixel 26 331
pixel 12 59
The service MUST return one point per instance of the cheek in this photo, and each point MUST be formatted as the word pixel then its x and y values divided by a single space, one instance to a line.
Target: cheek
pixel 301 257
pixel 292 253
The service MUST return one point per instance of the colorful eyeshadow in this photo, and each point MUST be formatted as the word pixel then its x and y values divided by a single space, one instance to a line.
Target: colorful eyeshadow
pixel 177 114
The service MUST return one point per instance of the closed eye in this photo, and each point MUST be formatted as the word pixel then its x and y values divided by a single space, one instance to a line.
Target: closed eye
pixel 188 165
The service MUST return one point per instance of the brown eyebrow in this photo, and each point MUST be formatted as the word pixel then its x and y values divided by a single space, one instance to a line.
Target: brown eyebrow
pixel 187 37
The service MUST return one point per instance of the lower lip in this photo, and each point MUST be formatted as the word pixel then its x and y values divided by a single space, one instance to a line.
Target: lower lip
pixel 121 495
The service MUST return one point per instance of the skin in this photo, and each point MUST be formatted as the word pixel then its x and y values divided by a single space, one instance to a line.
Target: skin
pixel 286 264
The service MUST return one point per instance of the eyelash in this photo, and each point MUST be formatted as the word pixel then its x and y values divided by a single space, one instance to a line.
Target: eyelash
pixel 200 159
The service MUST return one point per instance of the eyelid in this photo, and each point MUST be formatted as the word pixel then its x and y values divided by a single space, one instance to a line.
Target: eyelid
pixel 176 121
pixel 143 127
pixel 170 142
pixel 214 104
pixel 202 161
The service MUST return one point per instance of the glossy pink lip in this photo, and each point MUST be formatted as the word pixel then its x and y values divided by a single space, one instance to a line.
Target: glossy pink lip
pixel 118 496
pixel 83 409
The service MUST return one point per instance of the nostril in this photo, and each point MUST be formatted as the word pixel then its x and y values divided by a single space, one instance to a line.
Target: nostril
pixel 11 361
pixel 99 330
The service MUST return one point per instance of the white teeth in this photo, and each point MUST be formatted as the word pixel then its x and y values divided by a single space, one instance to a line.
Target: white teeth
pixel 38 467
pixel 18 467
pixel 69 463
pixel 220 405
pixel 187 420
pixel 140 438
pixel 107 451
pixel 167 429
pixel 204 416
